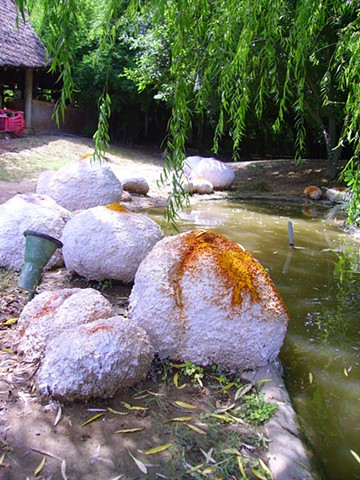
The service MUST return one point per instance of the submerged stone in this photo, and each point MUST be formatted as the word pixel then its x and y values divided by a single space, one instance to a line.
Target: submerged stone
pixel 203 298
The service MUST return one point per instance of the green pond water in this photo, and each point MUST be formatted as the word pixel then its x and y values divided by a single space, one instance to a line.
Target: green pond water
pixel 319 282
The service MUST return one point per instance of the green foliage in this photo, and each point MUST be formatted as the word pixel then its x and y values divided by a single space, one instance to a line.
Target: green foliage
pixel 195 372
pixel 224 62
pixel 255 409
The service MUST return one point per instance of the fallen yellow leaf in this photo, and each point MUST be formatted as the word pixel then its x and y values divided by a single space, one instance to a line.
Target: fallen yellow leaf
pixel 185 405
pixel 93 419
pixel 11 321
pixel 158 449
pixel 40 467
pixel 130 430
pixel 196 429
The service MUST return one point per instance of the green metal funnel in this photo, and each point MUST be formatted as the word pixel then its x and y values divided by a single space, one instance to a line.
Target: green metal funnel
pixel 39 248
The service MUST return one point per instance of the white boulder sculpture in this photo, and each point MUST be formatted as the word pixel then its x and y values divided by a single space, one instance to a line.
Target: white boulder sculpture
pixel 215 172
pixel 138 185
pixel 29 212
pixel 51 313
pixel 221 176
pixel 190 163
pixel 202 298
pixel 95 360
pixel 81 184
pixel 108 242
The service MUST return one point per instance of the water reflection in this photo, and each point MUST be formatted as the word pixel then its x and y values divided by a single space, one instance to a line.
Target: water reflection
pixel 319 281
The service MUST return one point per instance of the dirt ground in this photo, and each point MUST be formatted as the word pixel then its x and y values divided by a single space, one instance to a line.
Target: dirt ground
pixel 215 437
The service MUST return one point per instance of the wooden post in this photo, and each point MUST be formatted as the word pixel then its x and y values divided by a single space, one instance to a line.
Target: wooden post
pixel 28 97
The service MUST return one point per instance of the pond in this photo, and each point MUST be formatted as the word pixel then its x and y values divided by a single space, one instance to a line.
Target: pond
pixel 319 281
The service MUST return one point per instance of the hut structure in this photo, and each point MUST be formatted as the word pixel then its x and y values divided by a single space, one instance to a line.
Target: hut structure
pixel 22 54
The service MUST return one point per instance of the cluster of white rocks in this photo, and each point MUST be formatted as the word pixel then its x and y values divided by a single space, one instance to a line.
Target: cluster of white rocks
pixel 84 350
pixel 197 296
pixel 102 240
pixel 204 175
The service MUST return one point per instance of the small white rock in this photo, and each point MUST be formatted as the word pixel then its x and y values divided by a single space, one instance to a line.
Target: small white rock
pixel 29 212
pixel 51 313
pixel 217 173
pixel 198 185
pixel 95 360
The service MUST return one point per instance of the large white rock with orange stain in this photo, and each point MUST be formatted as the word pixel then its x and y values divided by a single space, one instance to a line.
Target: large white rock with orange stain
pixel 95 360
pixel 108 242
pixel 29 212
pixel 81 184
pixel 53 312
pixel 202 298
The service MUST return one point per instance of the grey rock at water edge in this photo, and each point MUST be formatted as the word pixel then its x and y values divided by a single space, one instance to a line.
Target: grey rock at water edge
pixel 202 298
pixel 108 242
pixel 95 360
pixel 81 184
pixel 29 212
pixel 138 185
pixel 53 312
pixel 198 185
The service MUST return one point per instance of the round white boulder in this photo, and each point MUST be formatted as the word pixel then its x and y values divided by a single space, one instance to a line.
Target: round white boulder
pixel 217 173
pixel 202 298
pixel 29 212
pixel 51 313
pixel 190 163
pixel 95 360
pixel 81 184
pixel 108 242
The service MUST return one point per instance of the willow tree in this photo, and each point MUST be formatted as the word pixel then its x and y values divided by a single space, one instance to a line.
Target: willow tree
pixel 239 55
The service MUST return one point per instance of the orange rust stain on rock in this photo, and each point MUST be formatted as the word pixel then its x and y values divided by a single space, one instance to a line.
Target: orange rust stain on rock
pixel 117 208
pixel 235 266
pixel 99 328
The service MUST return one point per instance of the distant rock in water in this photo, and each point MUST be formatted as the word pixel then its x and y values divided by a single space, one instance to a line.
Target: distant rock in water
pixel 313 193
pixel 204 299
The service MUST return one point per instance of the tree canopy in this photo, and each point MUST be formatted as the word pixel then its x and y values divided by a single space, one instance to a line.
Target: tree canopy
pixel 228 62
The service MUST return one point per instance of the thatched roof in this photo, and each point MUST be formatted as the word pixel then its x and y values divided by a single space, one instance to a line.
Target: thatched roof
pixel 19 44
